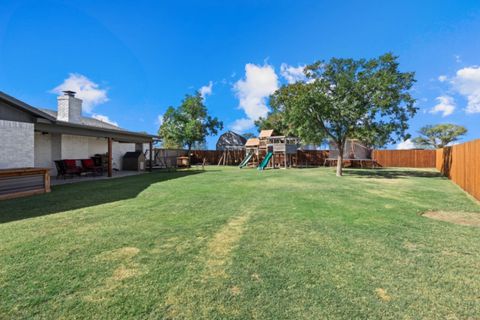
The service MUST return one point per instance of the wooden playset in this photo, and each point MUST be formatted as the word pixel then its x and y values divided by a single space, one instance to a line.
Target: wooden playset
pixel 270 151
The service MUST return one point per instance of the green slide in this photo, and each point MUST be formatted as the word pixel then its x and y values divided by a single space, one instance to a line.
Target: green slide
pixel 246 160
pixel 265 161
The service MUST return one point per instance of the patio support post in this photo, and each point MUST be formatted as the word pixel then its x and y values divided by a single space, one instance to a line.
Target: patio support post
pixel 109 157
pixel 151 157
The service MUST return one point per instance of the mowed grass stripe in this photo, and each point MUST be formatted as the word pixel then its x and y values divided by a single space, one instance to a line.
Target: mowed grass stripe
pixel 190 298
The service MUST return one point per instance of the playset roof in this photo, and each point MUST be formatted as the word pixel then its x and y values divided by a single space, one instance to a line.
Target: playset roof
pixel 265 133
pixel 252 142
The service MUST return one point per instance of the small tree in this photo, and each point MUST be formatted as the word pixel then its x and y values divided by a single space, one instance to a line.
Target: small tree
pixel 439 136
pixel 188 125
pixel 346 98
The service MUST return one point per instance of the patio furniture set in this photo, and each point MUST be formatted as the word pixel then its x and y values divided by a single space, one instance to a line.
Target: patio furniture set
pixel 79 167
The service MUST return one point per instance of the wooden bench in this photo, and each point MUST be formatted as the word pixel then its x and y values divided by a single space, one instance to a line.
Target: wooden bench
pixel 22 182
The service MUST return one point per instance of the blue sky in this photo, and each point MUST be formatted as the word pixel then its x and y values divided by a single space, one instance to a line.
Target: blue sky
pixel 133 59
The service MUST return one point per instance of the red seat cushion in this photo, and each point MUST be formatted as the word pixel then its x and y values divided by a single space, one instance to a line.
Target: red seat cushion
pixel 70 164
pixel 88 163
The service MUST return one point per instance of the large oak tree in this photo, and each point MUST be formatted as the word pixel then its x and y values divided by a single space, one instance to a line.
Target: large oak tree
pixel 347 98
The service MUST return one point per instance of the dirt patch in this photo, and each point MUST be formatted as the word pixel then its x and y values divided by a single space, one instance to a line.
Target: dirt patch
pixel 382 295
pixel 126 269
pixel 124 272
pixel 256 277
pixel 235 291
pixel 461 218
pixel 124 253
pixel 410 246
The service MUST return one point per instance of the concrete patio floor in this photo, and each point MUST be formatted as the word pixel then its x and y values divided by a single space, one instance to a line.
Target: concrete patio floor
pixel 116 174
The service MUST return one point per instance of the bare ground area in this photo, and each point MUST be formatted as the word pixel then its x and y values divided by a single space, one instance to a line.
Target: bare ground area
pixel 461 218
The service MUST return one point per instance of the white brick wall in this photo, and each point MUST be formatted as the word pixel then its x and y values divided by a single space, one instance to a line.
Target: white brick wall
pixel 16 144
pixel 43 150
pixel 118 150
pixel 74 147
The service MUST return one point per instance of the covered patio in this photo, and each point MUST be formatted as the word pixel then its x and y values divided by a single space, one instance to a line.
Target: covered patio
pixel 66 140
pixel 40 143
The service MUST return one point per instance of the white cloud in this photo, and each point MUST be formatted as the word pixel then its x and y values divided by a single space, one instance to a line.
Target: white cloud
pixel 242 125
pixel 467 83
pixel 292 74
pixel 407 144
pixel 446 106
pixel 104 118
pixel 206 90
pixel 87 90
pixel 252 91
pixel 442 78
pixel 159 120
pixel 458 59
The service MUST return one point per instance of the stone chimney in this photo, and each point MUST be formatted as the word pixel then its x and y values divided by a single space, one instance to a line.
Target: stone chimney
pixel 69 107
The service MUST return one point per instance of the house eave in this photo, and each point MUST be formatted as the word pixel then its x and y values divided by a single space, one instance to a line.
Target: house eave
pixel 89 131
pixel 25 107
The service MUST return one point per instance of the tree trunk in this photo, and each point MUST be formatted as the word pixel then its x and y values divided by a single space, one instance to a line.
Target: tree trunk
pixel 340 160
pixel 189 150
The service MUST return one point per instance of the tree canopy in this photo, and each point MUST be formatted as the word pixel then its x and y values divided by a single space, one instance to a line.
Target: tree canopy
pixel 274 120
pixel 439 136
pixel 347 98
pixel 248 135
pixel 189 124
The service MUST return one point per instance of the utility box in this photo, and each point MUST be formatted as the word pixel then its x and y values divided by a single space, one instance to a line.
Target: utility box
pixel 183 162
pixel 134 161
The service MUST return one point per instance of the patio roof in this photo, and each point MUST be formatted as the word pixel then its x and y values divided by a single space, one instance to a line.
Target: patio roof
pixel 91 131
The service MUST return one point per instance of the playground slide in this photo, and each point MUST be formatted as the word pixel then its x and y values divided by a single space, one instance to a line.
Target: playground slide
pixel 265 161
pixel 246 160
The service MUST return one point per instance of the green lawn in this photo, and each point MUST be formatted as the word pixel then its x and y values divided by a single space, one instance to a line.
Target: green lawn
pixel 238 244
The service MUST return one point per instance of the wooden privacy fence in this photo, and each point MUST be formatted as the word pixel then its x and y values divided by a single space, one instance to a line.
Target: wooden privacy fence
pixel 212 157
pixel 461 164
pixel 405 158
pixel 312 157
pixel 305 157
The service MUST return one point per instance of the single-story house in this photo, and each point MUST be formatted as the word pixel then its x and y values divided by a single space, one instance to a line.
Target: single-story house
pixel 33 137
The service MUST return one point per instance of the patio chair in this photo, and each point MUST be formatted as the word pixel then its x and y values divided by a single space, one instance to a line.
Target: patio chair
pixel 71 167
pixel 64 171
pixel 61 170
pixel 89 166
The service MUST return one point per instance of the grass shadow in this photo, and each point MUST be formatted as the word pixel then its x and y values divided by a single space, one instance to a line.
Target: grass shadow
pixel 85 194
pixel 392 173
